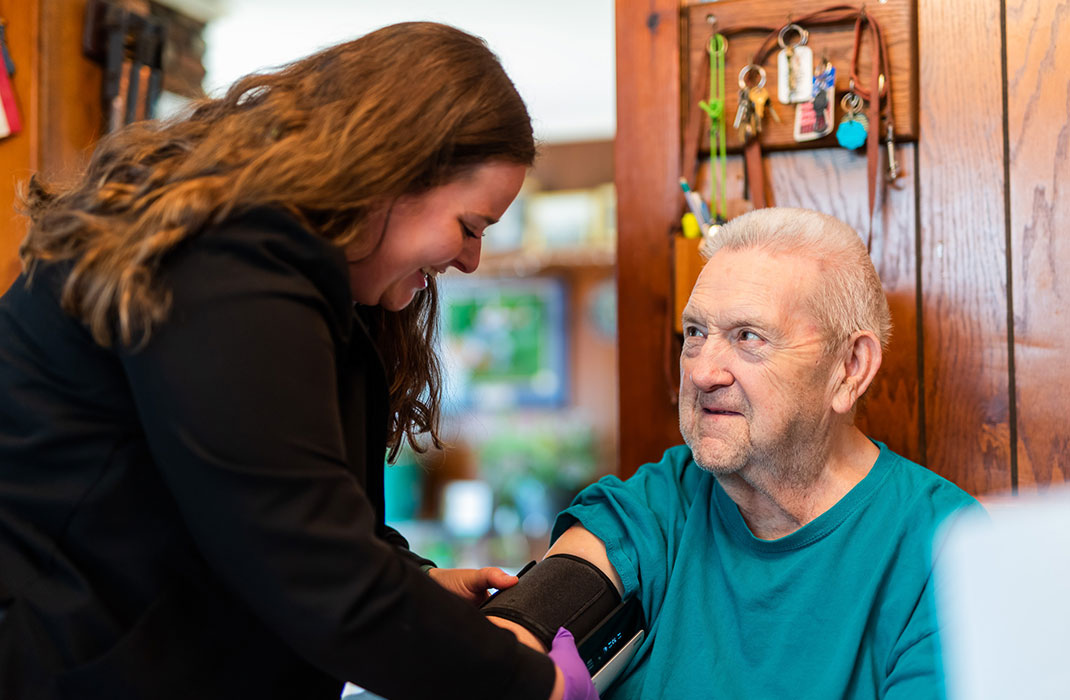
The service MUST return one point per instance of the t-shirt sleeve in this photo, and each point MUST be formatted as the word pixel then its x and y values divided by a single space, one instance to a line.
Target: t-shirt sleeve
pixel 237 394
pixel 915 666
pixel 639 520
pixel 916 670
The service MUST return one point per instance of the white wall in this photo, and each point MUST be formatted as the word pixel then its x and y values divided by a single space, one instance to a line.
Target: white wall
pixel 560 53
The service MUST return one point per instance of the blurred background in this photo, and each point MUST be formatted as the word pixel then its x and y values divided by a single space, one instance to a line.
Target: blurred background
pixel 529 340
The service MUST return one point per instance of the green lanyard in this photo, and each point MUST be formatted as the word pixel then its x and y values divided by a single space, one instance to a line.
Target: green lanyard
pixel 714 107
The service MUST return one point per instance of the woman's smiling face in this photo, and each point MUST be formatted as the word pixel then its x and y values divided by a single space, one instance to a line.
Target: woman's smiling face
pixel 425 234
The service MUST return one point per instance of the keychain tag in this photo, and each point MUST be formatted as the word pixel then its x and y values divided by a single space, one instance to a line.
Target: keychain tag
pixel 10 123
pixel 795 66
pixel 853 128
pixel 8 63
pixel 813 119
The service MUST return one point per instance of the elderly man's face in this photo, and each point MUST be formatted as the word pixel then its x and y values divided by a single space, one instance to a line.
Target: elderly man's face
pixel 755 383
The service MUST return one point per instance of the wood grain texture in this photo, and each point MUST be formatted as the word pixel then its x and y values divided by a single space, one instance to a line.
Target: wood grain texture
pixel 1038 90
pixel 897 21
pixel 71 91
pixel 59 96
pixel 947 274
pixel 963 273
pixel 19 155
pixel 834 181
pixel 647 165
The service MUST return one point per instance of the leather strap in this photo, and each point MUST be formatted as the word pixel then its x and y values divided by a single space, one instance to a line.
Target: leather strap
pixel 752 159
pixel 874 94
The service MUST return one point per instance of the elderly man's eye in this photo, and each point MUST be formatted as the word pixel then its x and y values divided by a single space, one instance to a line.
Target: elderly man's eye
pixel 749 336
pixel 692 331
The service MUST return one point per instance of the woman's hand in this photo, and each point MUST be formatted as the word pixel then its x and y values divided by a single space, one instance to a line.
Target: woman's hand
pixel 472 584
pixel 572 681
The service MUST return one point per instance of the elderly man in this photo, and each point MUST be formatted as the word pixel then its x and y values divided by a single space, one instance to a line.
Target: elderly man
pixel 780 553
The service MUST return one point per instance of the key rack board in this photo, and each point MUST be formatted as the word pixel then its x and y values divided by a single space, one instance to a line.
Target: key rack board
pixel 748 23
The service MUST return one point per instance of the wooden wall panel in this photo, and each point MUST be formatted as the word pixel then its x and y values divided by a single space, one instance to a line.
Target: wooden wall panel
pixel 648 200
pixel 1038 120
pixel 834 181
pixel 963 251
pixel 830 180
pixel 970 248
pixel 737 19
pixel 59 97
pixel 19 154
pixel 71 96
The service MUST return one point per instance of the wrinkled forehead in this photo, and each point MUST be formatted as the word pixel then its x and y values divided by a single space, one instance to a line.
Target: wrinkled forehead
pixel 756 283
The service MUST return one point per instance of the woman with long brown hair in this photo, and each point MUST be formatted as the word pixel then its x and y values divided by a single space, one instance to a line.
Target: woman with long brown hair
pixel 221 329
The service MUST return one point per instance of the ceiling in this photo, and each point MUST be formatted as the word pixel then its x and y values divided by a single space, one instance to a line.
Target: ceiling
pixel 560 53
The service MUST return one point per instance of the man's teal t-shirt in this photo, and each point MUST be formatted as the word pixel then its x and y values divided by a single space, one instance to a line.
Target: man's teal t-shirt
pixel 841 608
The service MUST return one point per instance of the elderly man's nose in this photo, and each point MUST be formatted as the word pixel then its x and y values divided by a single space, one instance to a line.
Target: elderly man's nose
pixel 709 371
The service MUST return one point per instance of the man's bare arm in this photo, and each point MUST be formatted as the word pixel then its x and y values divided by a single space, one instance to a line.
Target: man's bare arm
pixel 579 541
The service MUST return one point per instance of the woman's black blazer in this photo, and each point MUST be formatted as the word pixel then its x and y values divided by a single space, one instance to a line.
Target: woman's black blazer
pixel 202 517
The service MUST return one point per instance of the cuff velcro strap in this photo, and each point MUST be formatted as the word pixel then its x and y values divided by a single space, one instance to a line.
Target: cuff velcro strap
pixel 560 591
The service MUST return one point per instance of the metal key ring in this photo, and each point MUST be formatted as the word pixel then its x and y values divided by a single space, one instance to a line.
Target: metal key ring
pixel 851 103
pixel 802 33
pixel 748 70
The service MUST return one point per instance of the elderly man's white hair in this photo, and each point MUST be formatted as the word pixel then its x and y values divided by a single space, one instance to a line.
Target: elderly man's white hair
pixel 850 297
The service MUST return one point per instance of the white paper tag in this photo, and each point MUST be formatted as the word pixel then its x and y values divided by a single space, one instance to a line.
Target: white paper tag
pixel 801 71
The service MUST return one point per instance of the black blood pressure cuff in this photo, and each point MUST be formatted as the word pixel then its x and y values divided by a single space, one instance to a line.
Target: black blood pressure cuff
pixel 560 591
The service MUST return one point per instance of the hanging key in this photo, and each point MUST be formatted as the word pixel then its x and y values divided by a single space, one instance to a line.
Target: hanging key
pixel 751 78
pixel 744 116
pixel 744 109
pixel 760 97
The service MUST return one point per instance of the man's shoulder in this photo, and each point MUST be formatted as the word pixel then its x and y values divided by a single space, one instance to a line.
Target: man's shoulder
pixel 675 471
pixel 915 485
pixel 677 458
pixel 677 466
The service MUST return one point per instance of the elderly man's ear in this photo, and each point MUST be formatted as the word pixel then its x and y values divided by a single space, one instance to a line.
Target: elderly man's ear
pixel 858 365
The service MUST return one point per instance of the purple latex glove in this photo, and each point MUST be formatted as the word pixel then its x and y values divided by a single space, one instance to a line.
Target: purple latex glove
pixel 563 652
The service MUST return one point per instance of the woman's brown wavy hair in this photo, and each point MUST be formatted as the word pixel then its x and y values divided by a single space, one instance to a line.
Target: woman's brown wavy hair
pixel 328 138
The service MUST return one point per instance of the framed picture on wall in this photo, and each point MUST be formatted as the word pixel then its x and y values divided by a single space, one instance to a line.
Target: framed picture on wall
pixel 571 218
pixel 504 342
